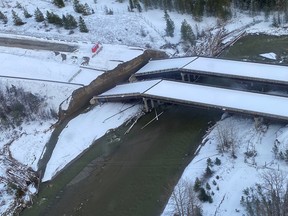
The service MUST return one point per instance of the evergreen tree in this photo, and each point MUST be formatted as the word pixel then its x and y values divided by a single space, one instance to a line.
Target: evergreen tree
pixel 170 27
pixel 208 172
pixel 26 13
pixel 86 10
pixel 3 17
pixel 39 17
pixel 18 5
pixel 187 34
pixel 209 162
pixel 49 17
pixel 54 18
pixel 208 187
pixel 82 25
pixel 57 20
pixel 69 22
pixel 59 3
pixel 197 185
pixel 217 161
pixel 16 19
pixel 198 10
pixel 78 8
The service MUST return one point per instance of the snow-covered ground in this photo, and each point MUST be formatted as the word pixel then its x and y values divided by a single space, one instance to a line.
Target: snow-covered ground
pixel 96 123
pixel 119 34
pixel 235 173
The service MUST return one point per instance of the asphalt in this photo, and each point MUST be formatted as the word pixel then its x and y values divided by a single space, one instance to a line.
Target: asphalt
pixel 37 45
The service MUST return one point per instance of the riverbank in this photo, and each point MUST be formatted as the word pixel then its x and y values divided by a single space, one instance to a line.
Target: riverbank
pixel 130 174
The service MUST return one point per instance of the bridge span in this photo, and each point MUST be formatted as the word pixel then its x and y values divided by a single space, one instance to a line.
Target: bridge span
pixel 215 67
pixel 199 95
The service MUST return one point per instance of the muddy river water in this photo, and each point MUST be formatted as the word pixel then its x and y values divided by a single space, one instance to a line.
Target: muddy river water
pixel 132 174
pixel 128 174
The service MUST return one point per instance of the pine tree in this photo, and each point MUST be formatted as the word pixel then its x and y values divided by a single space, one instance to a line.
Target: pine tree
pixel 208 187
pixel 198 10
pixel 49 17
pixel 39 17
pixel 26 13
pixel 3 17
pixel 16 19
pixel 86 10
pixel 54 18
pixel 197 185
pixel 69 22
pixel 59 3
pixel 217 161
pixel 78 8
pixel 82 25
pixel 170 27
pixel 187 34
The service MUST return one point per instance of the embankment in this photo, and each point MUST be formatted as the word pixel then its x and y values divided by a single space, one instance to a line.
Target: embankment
pixel 81 97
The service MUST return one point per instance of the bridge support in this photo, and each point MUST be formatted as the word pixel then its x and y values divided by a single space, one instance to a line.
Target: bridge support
pixel 146 104
pixel 183 76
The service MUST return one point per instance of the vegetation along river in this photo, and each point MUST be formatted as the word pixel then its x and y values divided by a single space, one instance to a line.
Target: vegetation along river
pixel 133 174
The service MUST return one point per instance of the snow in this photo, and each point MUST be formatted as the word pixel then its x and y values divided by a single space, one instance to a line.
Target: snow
pixel 166 64
pixel 221 67
pixel 36 69
pixel 95 123
pixel 131 88
pixel 256 71
pixel 36 135
pixel 270 55
pixel 208 96
pixel 235 174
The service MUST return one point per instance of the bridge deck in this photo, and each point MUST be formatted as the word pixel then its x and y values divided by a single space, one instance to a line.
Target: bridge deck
pixel 218 67
pixel 191 94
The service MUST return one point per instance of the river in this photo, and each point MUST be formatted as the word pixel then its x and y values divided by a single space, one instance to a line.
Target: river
pixel 133 174
pixel 130 176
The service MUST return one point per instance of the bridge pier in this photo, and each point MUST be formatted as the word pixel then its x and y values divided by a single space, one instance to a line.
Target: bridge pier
pixel 186 77
pixel 146 104
pixel 183 76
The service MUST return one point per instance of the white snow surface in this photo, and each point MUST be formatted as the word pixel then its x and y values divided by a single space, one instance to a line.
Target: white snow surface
pixel 72 141
pixel 270 55
pixel 235 174
pixel 165 64
pixel 224 67
pixel 132 88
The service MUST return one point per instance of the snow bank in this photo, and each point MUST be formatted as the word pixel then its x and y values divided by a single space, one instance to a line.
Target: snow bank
pixel 83 130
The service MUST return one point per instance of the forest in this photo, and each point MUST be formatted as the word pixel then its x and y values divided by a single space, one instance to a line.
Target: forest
pixel 217 8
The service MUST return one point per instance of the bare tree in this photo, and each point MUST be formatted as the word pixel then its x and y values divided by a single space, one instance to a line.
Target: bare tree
pixel 268 198
pixel 226 138
pixel 185 200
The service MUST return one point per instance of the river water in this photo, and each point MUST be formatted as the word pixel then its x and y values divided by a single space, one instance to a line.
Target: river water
pixel 130 176
pixel 133 174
